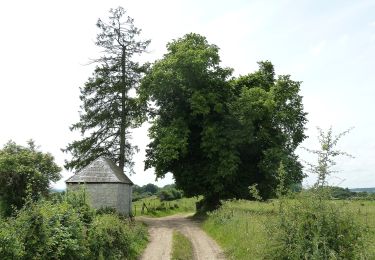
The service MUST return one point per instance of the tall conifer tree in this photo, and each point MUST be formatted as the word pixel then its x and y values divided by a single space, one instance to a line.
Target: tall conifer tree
pixel 108 111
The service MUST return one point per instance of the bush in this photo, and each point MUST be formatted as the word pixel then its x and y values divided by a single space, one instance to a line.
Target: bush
pixel 68 228
pixel 312 227
pixel 10 245
pixel 113 238
pixel 106 210
pixel 50 231
pixel 169 194
pixel 25 173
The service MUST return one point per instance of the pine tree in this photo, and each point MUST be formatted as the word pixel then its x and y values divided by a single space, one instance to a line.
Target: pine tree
pixel 108 109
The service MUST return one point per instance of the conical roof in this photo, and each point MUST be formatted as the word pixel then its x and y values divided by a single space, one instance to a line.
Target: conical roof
pixel 101 170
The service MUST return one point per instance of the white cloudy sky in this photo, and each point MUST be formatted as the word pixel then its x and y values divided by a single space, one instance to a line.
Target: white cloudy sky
pixel 329 45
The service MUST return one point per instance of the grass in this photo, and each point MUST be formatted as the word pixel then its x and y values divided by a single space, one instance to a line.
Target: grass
pixel 240 226
pixel 157 208
pixel 182 249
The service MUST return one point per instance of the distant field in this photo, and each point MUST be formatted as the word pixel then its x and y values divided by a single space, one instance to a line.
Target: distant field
pixel 370 190
pixel 156 208
pixel 240 226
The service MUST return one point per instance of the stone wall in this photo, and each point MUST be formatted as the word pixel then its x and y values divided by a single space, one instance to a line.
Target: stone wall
pixel 124 199
pixel 114 195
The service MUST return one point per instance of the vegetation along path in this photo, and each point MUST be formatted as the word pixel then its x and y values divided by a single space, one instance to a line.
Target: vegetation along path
pixel 161 232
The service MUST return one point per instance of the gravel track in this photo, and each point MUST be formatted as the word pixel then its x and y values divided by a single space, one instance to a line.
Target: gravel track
pixel 161 231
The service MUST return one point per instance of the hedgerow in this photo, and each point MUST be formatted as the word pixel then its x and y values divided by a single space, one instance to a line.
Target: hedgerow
pixel 68 228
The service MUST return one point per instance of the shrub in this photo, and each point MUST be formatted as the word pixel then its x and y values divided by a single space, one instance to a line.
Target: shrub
pixel 50 231
pixel 79 201
pixel 10 245
pixel 25 173
pixel 112 238
pixel 312 227
pixel 169 194
pixel 68 228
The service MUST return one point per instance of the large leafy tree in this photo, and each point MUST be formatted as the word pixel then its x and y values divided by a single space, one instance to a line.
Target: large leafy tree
pixel 108 110
pixel 269 125
pixel 218 134
pixel 25 172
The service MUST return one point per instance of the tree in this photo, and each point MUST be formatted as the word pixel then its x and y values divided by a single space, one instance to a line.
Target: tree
pixel 268 123
pixel 108 110
pixel 216 134
pixel 151 188
pixel 326 155
pixel 25 172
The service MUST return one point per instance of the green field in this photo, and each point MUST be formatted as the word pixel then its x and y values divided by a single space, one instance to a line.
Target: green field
pixel 156 208
pixel 240 227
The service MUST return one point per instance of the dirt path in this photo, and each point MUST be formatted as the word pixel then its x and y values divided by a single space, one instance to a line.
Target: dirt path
pixel 161 231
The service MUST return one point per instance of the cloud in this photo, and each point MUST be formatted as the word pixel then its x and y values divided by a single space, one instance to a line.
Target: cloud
pixel 317 49
pixel 344 39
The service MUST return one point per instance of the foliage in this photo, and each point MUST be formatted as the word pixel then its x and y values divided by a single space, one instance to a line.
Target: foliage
pixel 168 194
pixel 312 227
pixel 112 238
pixel 326 155
pixel 340 193
pixel 51 231
pixel 239 228
pixel 151 188
pixel 254 192
pixel 67 228
pixel 11 247
pixel 157 208
pixel 216 134
pixel 144 191
pixel 25 172
pixel 79 201
pixel 108 111
pixel 182 248
pixel 242 228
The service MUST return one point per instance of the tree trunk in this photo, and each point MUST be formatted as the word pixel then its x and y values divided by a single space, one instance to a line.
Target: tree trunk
pixel 123 111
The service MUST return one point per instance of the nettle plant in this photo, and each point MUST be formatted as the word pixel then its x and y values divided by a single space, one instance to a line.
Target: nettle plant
pixel 311 226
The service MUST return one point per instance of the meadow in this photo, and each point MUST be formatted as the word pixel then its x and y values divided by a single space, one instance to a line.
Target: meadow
pixel 242 228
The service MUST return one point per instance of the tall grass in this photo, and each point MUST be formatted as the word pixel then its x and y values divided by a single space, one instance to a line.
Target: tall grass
pixel 238 226
pixel 313 227
pixel 243 227
pixel 157 208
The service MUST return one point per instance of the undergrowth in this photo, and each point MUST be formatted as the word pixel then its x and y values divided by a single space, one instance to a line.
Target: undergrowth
pixel 248 229
pixel 153 207
pixel 314 227
pixel 68 228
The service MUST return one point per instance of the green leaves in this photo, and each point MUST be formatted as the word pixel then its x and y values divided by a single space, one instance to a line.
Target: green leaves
pixel 231 133
pixel 108 111
pixel 68 228
pixel 25 172
pixel 326 155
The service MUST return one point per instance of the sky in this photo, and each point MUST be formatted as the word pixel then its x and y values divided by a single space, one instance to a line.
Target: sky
pixel 45 47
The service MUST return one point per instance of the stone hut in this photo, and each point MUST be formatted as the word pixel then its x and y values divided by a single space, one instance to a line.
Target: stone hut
pixel 106 185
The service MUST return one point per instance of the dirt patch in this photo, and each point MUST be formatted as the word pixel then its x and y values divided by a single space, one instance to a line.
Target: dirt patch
pixel 161 230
